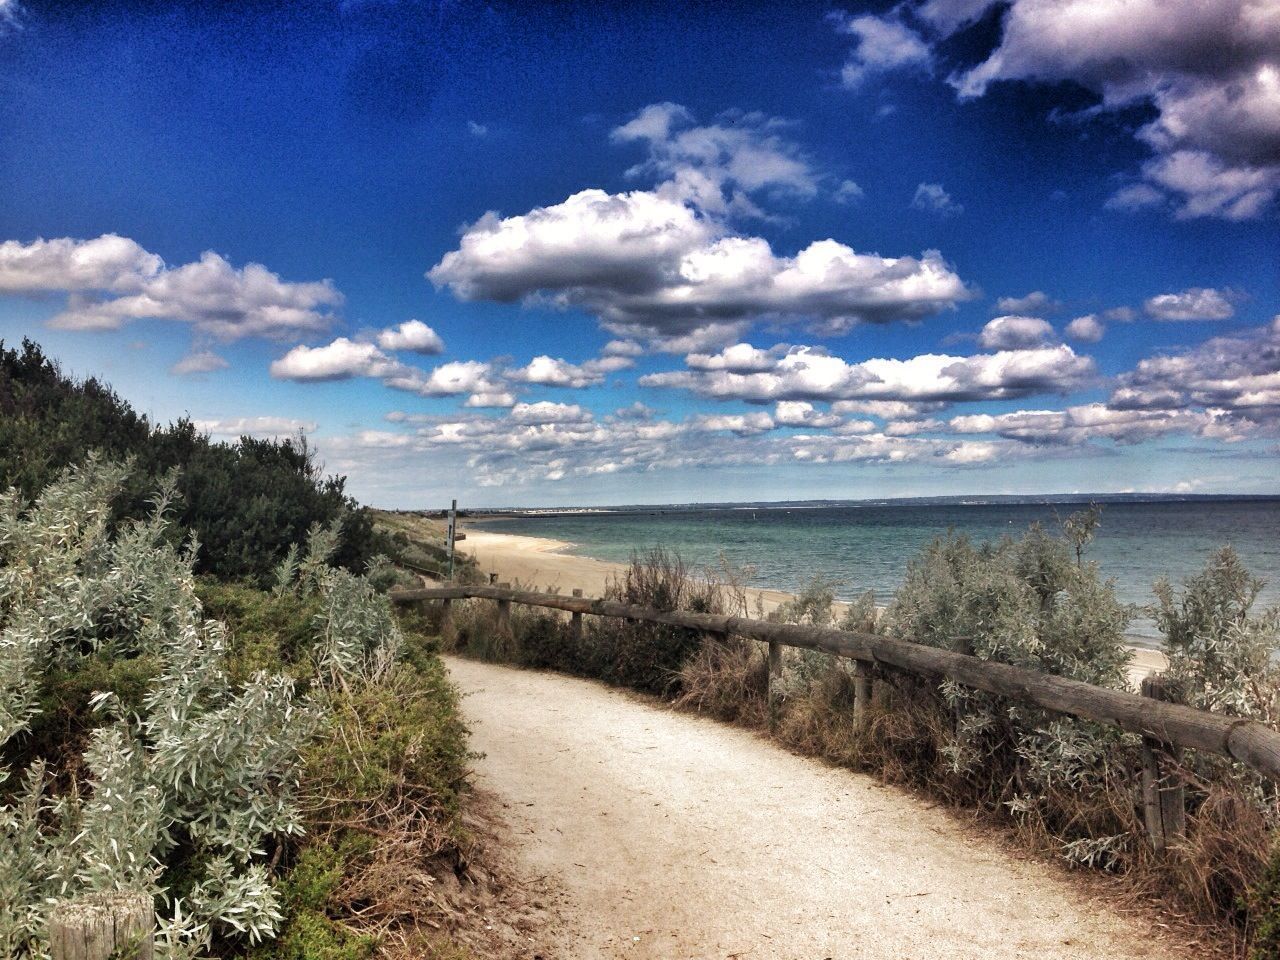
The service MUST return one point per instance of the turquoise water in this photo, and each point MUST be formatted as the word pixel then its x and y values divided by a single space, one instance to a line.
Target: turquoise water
pixel 867 545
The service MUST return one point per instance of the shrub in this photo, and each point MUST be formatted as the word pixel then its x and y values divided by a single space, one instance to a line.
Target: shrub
pixel 245 502
pixel 186 773
pixel 649 656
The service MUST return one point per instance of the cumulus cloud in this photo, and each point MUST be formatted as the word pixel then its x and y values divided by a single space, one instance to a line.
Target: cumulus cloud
pixel 622 348
pixel 1035 304
pixel 342 359
pixel 549 444
pixel 1207 70
pixel 1015 333
pixel 666 262
pixel 718 164
pixel 739 424
pixel 554 372
pixel 412 335
pixel 739 358
pixel 1239 375
pixel 544 411
pixel 806 374
pixel 1086 329
pixel 801 413
pixel 199 361
pixel 1197 303
pixel 112 280
pixel 932 198
pixel 880 44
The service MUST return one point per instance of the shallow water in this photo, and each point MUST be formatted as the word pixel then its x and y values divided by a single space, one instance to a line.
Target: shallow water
pixel 867 545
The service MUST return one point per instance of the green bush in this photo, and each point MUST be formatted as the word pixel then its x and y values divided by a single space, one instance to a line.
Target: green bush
pixel 246 503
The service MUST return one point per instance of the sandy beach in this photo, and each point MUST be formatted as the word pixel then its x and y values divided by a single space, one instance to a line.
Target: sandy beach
pixel 542 563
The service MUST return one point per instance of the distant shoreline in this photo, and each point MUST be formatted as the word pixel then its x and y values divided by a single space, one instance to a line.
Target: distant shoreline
pixel 958 500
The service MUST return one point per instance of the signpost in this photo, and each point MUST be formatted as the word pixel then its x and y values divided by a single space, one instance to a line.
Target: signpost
pixel 453 530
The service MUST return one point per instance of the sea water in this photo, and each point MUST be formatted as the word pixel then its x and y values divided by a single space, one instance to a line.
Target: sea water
pixel 866 546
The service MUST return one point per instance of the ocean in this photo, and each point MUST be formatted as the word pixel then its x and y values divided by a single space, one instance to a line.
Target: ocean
pixel 866 545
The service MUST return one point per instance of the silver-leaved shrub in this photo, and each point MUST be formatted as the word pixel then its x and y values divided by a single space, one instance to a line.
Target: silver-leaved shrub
pixel 205 765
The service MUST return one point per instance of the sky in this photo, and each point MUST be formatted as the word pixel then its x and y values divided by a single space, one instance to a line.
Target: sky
pixel 585 254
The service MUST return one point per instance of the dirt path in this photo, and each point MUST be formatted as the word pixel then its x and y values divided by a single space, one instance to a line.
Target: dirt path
pixel 670 836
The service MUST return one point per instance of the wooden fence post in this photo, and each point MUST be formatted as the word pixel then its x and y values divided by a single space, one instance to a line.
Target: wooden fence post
pixel 575 620
pixel 446 618
pixel 1164 804
pixel 861 692
pixel 504 611
pixel 775 681
pixel 120 926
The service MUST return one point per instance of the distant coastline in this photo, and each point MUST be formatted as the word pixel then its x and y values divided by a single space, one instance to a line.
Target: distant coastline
pixel 958 500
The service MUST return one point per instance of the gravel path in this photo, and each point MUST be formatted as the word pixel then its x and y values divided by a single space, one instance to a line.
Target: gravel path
pixel 670 836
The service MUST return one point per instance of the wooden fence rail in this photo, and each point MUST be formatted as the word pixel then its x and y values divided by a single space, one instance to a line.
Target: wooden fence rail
pixel 1170 725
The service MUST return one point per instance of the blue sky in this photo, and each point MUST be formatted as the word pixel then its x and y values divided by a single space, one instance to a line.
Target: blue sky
pixel 665 252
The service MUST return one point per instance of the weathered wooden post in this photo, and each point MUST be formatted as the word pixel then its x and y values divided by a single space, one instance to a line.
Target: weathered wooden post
pixel 575 621
pixel 446 618
pixel 120 926
pixel 861 692
pixel 504 611
pixel 1164 805
pixel 775 681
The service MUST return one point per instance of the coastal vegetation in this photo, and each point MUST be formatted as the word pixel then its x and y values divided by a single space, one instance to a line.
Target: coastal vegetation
pixel 206 702
pixel 1067 788
pixel 245 502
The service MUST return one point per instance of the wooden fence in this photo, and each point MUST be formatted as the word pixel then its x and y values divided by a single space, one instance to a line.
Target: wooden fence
pixel 1166 728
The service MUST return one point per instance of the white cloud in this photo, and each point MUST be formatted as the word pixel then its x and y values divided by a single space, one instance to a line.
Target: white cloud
pixel 662 263
pixel 800 413
pixel 216 298
pixel 201 361
pixel 886 409
pixel 740 424
pixel 254 427
pixel 1196 303
pixel 554 372
pixel 848 192
pixel 739 358
pixel 718 165
pixel 491 398
pixel 340 360
pixel 1239 375
pixel 413 335
pixel 477 129
pixel 449 380
pixel 1015 333
pixel 545 411
pixel 933 198
pixel 1035 304
pixel 1086 329
pixel 1136 196
pixel 1207 67
pixel 882 43
pixel 806 374
pixel 1094 421
pixel 109 263
pixel 622 348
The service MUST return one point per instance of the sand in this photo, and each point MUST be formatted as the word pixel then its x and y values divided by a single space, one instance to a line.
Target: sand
pixel 542 563
pixel 538 562
pixel 657 834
